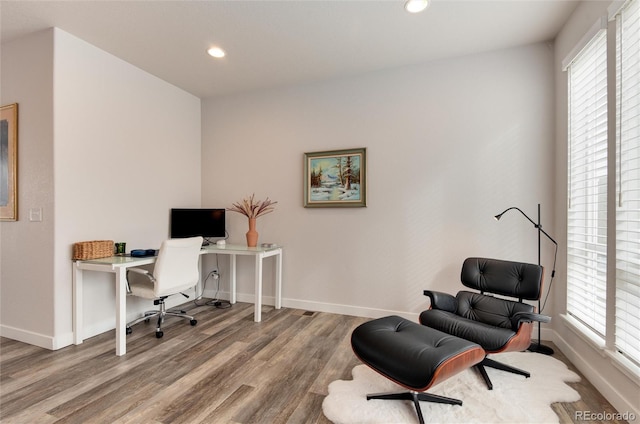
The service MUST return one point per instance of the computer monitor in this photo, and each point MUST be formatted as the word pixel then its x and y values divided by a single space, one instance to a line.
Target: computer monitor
pixel 208 223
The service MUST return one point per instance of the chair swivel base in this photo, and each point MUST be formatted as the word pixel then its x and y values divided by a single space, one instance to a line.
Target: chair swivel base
pixel 415 397
pixel 161 314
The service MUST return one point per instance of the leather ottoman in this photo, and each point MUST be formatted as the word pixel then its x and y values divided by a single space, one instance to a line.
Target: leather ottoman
pixel 413 356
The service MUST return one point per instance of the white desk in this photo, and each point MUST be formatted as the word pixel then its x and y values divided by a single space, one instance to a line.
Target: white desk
pixel 119 265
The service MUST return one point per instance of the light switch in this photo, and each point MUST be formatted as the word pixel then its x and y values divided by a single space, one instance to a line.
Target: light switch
pixel 35 214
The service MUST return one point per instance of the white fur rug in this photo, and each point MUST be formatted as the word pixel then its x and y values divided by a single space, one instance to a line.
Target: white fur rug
pixel 514 398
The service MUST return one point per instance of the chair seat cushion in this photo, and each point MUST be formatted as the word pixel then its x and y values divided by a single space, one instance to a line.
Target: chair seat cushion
pixel 141 286
pixel 490 337
pixel 410 354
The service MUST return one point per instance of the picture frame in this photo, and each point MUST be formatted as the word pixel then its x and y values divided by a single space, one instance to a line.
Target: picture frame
pixel 335 178
pixel 9 162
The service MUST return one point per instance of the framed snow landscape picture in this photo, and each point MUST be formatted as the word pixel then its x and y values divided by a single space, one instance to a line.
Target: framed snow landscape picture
pixel 335 179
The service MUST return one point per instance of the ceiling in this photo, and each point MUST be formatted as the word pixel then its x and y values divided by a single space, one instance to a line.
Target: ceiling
pixel 275 43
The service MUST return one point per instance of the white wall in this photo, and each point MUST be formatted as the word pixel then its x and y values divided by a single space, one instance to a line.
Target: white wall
pixel 127 150
pixel 619 387
pixel 124 148
pixel 449 145
pixel 26 254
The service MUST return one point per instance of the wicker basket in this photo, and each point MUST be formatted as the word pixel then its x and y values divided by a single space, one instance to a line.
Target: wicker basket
pixel 92 249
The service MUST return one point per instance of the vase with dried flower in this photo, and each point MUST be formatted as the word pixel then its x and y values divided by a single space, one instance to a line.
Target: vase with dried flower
pixel 253 209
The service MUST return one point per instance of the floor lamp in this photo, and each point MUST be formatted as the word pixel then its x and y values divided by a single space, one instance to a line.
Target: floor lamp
pixel 537 346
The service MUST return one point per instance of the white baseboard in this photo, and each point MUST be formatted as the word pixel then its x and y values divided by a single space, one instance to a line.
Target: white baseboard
pixel 64 340
pixel 358 311
pixel 596 377
pixel 29 337
pixel 333 308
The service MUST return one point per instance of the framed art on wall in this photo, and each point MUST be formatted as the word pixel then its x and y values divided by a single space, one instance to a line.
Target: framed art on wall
pixel 335 178
pixel 9 163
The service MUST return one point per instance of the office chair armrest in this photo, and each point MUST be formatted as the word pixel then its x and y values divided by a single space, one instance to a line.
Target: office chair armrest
pixel 140 271
pixel 442 301
pixel 521 317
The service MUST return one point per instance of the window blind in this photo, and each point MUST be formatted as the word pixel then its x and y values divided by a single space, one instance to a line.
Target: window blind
pixel 627 328
pixel 587 168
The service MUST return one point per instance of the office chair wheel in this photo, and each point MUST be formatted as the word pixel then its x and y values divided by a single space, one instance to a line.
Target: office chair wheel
pixel 129 330
pixel 193 322
pixel 159 334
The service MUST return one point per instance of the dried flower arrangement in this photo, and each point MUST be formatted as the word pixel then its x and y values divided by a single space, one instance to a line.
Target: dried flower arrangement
pixel 252 208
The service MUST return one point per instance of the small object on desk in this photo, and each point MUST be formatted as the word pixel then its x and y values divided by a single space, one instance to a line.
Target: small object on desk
pixel 95 249
pixel 120 248
pixel 268 245
pixel 141 253
pixel 221 243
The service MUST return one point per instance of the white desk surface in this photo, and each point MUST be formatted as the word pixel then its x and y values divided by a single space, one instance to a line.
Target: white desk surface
pixel 238 249
pixel 129 261
pixel 120 260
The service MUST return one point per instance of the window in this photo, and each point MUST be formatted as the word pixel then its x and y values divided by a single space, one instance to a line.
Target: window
pixel 594 219
pixel 587 211
pixel 627 234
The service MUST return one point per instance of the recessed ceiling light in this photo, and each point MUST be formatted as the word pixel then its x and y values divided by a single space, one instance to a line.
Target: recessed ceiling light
pixel 216 52
pixel 415 6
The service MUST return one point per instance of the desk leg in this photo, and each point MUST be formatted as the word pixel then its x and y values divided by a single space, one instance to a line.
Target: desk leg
pixel 78 336
pixel 232 295
pixel 279 281
pixel 257 315
pixel 121 311
pixel 200 286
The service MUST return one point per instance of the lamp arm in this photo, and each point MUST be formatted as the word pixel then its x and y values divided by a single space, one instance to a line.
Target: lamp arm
pixel 519 210
pixel 535 224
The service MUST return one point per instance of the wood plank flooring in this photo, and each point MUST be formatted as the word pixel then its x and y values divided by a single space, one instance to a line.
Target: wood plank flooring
pixel 227 369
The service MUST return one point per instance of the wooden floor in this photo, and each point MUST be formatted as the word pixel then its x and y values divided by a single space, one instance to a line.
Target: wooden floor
pixel 227 369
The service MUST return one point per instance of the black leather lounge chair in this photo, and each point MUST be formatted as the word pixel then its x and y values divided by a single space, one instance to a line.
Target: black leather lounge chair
pixel 495 323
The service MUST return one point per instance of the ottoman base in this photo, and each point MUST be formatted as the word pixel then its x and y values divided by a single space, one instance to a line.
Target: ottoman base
pixel 415 397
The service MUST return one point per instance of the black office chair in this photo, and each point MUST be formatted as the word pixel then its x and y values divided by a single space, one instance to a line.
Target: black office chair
pixel 175 271
pixel 496 324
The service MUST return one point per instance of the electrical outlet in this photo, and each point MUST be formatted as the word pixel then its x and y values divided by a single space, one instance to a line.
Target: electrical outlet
pixel 35 214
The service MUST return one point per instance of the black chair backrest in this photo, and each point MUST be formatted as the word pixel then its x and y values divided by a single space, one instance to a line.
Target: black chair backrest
pixel 514 279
